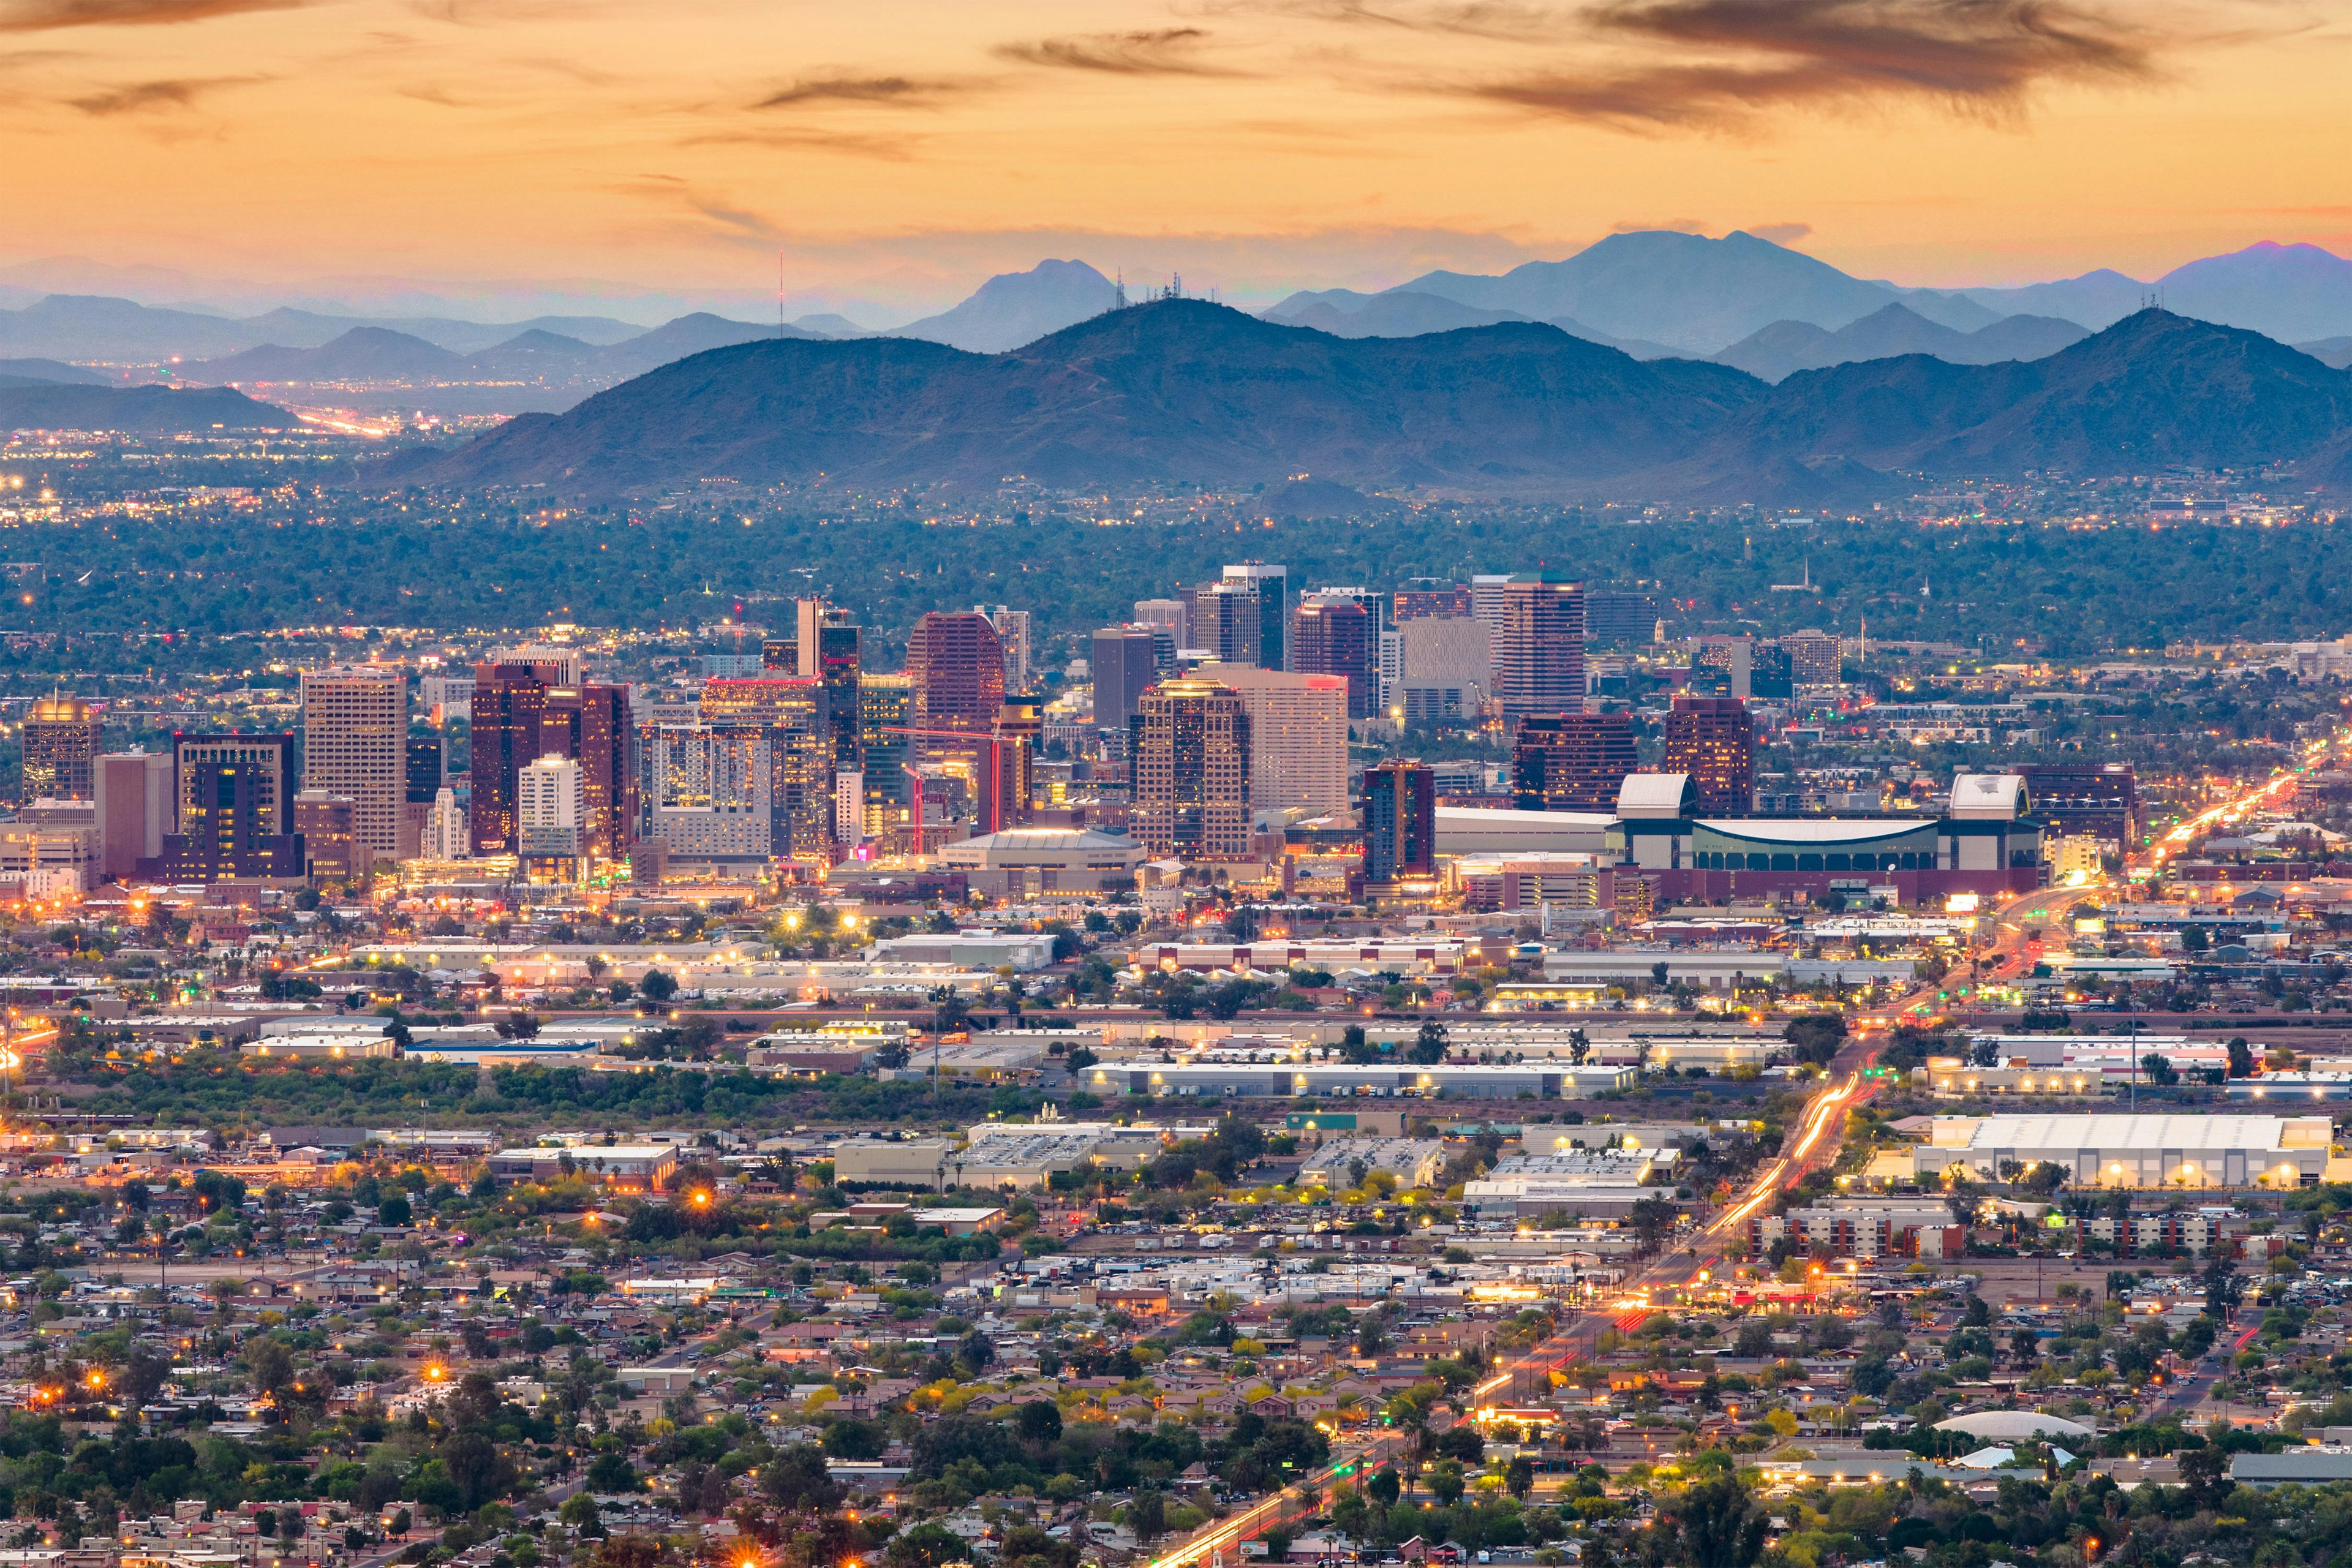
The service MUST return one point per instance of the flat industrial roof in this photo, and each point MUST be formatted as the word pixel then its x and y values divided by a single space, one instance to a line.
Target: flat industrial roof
pixel 2126 1132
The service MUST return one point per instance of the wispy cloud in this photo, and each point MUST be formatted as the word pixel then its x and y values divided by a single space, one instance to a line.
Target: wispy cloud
pixel 41 15
pixel 1160 51
pixel 907 92
pixel 148 97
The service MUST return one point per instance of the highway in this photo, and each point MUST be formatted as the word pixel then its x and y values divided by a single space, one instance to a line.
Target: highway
pixel 1350 1458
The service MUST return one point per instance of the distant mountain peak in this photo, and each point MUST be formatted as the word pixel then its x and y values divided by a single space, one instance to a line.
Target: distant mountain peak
pixel 1016 308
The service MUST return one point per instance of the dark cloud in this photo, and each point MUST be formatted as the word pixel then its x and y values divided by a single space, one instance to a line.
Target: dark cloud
pixel 1163 51
pixel 903 91
pixel 1471 18
pixel 40 16
pixel 1740 56
pixel 143 97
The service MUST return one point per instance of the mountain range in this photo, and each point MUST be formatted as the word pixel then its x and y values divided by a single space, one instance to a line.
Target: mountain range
pixel 1699 296
pixel 382 354
pixel 1786 347
pixel 1182 391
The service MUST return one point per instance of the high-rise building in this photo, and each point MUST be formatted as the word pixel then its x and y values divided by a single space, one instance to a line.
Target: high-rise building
pixel 707 792
pixel 1742 667
pixel 234 812
pixel 1616 617
pixel 608 774
pixel 1228 624
pixel 565 665
pixel 1486 592
pixel 1012 634
pixel 60 742
pixel 1445 666
pixel 1126 664
pixel 1712 739
pixel 1272 586
pixel 1004 794
pixel 1188 762
pixel 132 796
pixel 1571 762
pixel 1331 635
pixel 1174 615
pixel 957 667
pixel 1399 822
pixel 1298 737
pixel 1432 598
pixel 793 715
pixel 354 746
pixel 508 703
pixel 830 650
pixel 423 769
pixel 328 826
pixel 523 712
pixel 848 807
pixel 885 710
pixel 196 762
pixel 444 835
pixel 1539 648
pixel 1815 658
pixel 551 809
pixel 444 695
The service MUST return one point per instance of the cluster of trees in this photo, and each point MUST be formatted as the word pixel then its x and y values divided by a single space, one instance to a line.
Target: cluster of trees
pixel 2075 590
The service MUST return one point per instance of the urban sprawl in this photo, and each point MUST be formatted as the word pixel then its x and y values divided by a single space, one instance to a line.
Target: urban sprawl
pixel 1395 1074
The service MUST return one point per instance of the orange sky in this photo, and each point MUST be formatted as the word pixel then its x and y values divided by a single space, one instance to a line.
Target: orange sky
pixel 900 150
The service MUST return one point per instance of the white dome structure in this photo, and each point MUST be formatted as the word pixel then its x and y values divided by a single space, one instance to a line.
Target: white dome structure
pixel 2011 1425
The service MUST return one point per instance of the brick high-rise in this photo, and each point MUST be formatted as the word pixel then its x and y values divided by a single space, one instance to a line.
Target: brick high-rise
pixel 1571 762
pixel 1399 822
pixel 1189 750
pixel 1539 648
pixel 523 711
pixel 1713 741
pixel 956 663
pixel 1333 635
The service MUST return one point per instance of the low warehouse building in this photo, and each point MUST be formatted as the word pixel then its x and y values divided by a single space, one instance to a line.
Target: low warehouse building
pixel 1026 862
pixel 1532 1080
pixel 2127 1151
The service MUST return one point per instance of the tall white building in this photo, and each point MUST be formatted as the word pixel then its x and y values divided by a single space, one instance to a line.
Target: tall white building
pixel 355 743
pixel 1487 592
pixel 1299 736
pixel 848 807
pixel 445 836
pixel 551 809
pixel 707 792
